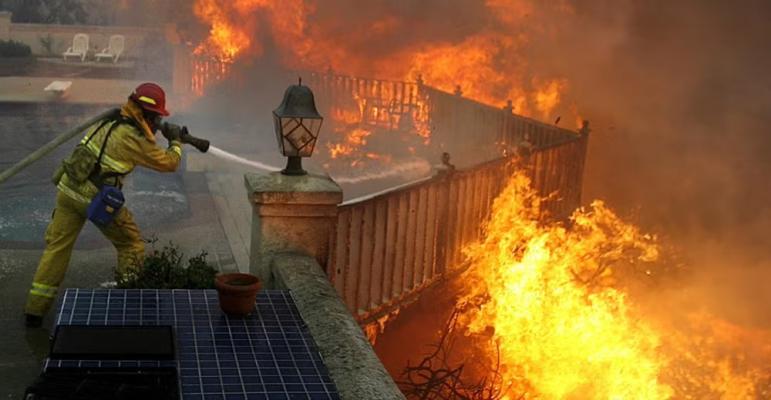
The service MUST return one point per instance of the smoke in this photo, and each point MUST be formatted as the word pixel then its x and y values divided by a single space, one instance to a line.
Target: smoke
pixel 677 92
pixel 679 96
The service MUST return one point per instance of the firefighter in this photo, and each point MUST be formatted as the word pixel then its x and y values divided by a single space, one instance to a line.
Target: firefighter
pixel 109 151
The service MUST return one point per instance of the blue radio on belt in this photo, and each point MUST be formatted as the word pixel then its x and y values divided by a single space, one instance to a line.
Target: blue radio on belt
pixel 105 205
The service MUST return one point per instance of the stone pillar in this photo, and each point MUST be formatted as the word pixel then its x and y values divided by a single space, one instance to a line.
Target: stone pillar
pixel 292 214
pixel 5 25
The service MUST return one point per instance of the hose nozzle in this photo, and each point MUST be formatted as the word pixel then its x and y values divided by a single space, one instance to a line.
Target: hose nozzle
pixel 201 144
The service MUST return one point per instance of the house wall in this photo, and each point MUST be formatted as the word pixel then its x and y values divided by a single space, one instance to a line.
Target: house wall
pixel 138 39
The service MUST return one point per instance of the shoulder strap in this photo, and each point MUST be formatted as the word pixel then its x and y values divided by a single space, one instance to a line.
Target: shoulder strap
pixel 98 165
pixel 98 128
pixel 96 172
pixel 110 117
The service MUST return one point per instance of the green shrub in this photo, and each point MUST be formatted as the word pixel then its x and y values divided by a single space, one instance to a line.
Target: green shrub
pixel 164 269
pixel 47 43
pixel 10 48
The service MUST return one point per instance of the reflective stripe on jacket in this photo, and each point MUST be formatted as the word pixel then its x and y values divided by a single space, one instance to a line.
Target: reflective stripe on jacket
pixel 126 148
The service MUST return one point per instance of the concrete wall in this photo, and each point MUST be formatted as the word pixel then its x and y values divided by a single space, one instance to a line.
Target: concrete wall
pixel 5 25
pixel 351 360
pixel 60 36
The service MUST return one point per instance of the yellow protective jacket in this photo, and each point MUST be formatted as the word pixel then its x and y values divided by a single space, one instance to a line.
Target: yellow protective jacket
pixel 127 147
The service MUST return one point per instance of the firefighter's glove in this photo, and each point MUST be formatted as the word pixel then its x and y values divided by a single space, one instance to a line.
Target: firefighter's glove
pixel 171 132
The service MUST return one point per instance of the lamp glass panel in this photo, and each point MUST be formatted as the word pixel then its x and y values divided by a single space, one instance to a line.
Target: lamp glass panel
pixel 289 149
pixel 298 135
pixel 314 127
pixel 313 124
pixel 277 130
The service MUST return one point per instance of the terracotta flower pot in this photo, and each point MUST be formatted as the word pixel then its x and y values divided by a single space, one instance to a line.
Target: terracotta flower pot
pixel 237 292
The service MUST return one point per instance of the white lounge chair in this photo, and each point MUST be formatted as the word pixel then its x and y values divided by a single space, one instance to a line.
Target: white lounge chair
pixel 79 47
pixel 114 48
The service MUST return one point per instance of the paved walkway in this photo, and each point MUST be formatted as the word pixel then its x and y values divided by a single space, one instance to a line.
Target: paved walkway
pixel 23 89
pixel 234 212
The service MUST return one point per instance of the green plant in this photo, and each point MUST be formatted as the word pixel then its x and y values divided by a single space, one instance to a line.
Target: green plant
pixel 200 275
pixel 47 43
pixel 11 48
pixel 164 269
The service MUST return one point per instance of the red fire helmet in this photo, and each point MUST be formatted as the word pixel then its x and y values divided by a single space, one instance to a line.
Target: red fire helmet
pixel 150 97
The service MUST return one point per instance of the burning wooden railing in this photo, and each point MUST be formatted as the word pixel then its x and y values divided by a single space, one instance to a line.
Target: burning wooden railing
pixel 382 103
pixel 207 71
pixel 474 132
pixel 471 131
pixel 391 245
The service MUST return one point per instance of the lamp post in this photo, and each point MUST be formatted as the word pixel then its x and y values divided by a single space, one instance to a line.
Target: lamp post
pixel 297 124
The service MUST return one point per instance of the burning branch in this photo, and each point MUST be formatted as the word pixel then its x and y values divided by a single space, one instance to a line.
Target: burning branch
pixel 435 378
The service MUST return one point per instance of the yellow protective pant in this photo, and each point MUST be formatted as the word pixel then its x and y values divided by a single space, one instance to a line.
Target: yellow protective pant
pixel 66 222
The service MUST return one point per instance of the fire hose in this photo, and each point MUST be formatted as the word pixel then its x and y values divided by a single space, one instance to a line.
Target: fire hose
pixel 201 144
pixel 52 145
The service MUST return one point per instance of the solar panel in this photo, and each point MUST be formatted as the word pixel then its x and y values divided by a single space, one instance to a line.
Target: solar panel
pixel 268 355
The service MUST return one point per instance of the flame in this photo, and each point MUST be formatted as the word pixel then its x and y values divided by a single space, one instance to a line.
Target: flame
pixel 578 119
pixel 547 95
pixel 711 358
pixel 562 326
pixel 555 335
pixel 349 135
pixel 471 67
pixel 420 121
pixel 487 65
pixel 356 119
pixel 226 40
pixel 352 141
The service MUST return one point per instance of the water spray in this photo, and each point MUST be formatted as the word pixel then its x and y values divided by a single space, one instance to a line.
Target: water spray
pixel 418 167
pixel 216 151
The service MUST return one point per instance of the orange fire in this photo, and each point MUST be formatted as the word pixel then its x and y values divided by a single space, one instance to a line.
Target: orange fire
pixel 487 65
pixel 352 141
pixel 562 326
pixel 355 119
pixel 347 130
pixel 547 95
pixel 710 357
pixel 558 338
pixel 225 40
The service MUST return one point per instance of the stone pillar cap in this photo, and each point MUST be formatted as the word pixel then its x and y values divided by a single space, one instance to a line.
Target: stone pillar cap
pixel 276 188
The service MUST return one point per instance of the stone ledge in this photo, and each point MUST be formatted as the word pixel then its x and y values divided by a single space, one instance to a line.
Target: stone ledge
pixel 352 363
pixel 296 210
pixel 276 188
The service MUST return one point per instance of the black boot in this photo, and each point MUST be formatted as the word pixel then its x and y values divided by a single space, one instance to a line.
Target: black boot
pixel 33 321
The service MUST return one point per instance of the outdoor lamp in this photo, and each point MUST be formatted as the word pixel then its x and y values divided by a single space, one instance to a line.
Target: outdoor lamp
pixel 297 124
